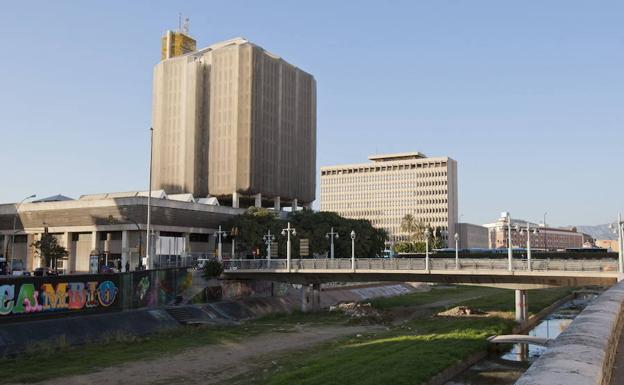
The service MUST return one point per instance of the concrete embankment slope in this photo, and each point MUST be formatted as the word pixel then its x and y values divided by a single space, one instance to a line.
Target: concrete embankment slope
pixel 585 352
pixel 247 308
pixel 75 330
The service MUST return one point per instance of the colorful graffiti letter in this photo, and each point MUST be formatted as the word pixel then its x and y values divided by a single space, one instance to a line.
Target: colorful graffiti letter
pixel 54 299
pixel 77 295
pixel 27 301
pixel 7 294
pixel 106 293
pixel 91 294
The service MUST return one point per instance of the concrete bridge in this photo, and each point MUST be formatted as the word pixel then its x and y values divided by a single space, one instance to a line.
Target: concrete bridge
pixel 486 272
pixel 518 275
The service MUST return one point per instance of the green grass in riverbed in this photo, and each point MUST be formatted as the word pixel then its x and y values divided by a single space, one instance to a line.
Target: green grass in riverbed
pixel 408 354
pixel 436 294
pixel 400 355
pixel 47 361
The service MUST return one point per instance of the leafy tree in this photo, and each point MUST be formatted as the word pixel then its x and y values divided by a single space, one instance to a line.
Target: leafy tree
pixel 213 268
pixel 435 237
pixel 410 247
pixel 255 223
pixel 49 250
pixel 434 234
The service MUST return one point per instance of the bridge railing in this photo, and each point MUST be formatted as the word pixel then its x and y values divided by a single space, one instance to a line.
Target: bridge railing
pixel 420 264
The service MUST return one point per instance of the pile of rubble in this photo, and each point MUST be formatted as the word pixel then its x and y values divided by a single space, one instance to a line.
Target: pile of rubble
pixel 360 311
pixel 461 311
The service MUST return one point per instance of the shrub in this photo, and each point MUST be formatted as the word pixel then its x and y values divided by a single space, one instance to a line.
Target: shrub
pixel 213 269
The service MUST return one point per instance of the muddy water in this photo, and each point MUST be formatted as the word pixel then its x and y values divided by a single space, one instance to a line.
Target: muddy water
pixel 505 368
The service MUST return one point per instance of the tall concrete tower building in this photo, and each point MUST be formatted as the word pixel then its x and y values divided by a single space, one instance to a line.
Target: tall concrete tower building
pixel 236 122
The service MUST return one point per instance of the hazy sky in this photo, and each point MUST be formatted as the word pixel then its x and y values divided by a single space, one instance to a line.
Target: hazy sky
pixel 527 96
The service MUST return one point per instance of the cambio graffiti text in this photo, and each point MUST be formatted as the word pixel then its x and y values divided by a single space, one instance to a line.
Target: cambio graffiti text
pixel 65 296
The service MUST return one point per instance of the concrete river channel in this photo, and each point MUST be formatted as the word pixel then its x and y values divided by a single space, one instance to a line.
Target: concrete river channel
pixel 504 368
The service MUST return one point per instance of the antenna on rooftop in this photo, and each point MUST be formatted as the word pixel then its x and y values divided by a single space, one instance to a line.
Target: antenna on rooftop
pixel 185 26
pixel 179 21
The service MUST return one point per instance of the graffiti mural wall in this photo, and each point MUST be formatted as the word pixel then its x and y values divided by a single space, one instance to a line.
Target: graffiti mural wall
pixel 42 296
pixel 30 298
pixel 159 287
pixel 244 289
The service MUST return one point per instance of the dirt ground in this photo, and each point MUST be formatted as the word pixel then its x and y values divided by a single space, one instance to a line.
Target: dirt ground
pixel 213 363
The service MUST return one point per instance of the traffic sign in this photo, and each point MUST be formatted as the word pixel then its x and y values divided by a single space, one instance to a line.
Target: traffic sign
pixel 304 247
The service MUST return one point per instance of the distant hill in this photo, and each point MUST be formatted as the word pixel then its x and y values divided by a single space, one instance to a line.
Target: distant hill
pixel 598 231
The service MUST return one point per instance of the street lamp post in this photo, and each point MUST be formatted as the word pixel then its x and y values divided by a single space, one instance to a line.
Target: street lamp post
pixel 456 251
pixel 619 228
pixel 528 232
pixel 15 225
pixel 268 239
pixel 621 244
pixel 148 241
pixel 220 234
pixel 509 246
pixel 234 233
pixel 353 250
pixel 288 231
pixel 331 235
pixel 545 234
pixel 140 240
pixel 427 234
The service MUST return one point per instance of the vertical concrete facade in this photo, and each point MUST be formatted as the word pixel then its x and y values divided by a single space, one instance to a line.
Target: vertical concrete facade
pixel 234 118
pixel 472 236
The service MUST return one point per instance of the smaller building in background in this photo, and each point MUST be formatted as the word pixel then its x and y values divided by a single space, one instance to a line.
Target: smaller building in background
pixel 112 227
pixel 609 244
pixel 545 238
pixel 471 236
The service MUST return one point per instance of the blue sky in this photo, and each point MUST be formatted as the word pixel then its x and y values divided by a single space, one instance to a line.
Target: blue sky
pixel 527 96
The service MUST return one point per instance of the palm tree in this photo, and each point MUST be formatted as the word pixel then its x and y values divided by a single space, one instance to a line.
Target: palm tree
pixel 419 233
pixel 408 225
pixel 415 229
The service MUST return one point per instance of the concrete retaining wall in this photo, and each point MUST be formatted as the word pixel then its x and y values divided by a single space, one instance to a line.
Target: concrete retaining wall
pixel 584 353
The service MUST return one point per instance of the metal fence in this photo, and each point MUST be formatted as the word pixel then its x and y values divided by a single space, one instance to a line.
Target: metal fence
pixel 162 261
pixel 363 264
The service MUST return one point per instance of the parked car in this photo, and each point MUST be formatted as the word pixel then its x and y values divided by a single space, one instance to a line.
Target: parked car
pixel 201 263
pixel 108 269
pixel 44 272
